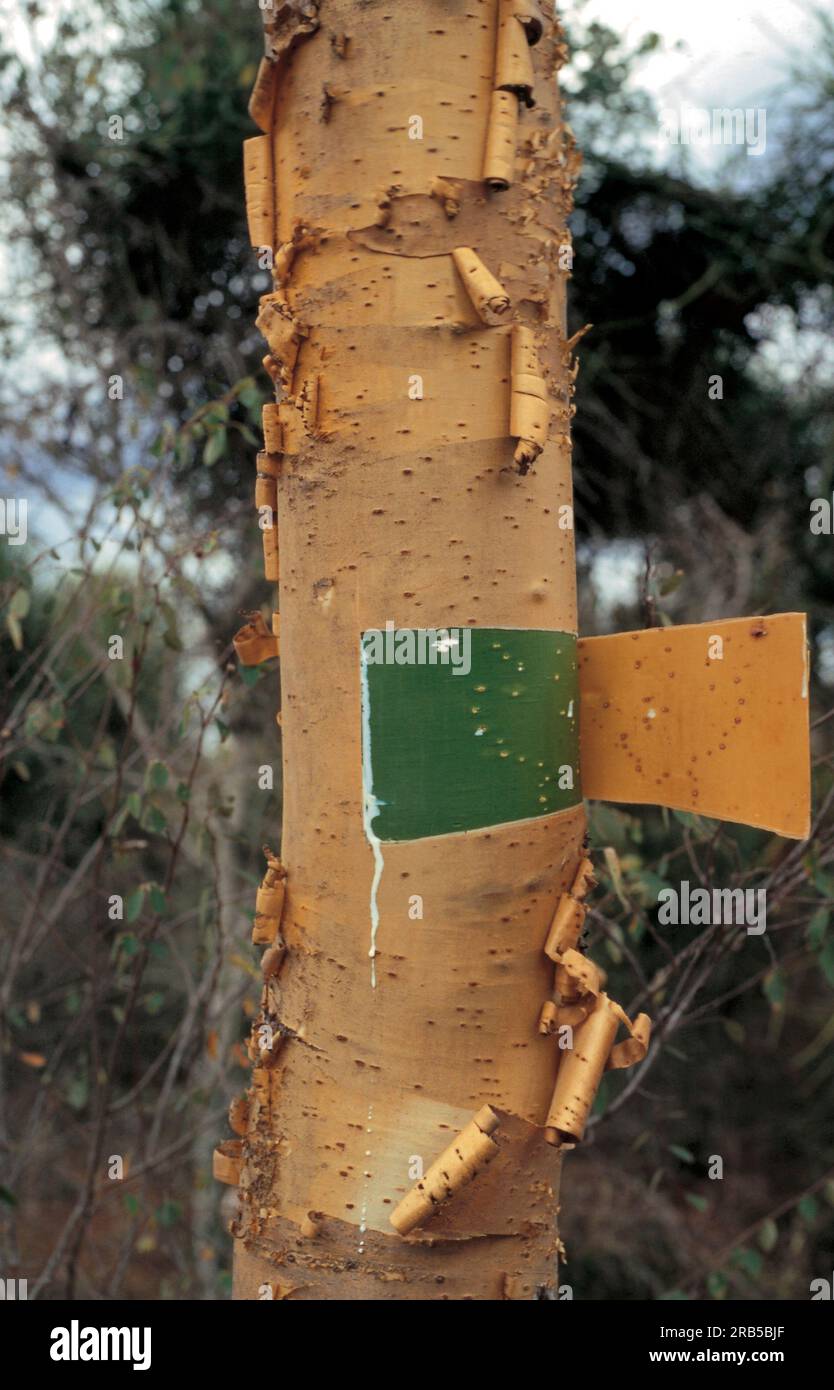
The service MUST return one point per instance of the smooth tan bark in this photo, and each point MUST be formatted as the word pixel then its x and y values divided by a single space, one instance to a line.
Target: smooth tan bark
pixel 420 455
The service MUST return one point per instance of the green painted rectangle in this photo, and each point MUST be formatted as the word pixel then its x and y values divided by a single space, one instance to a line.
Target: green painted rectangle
pixel 446 752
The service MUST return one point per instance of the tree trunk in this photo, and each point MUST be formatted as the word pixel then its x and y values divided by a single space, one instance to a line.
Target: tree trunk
pixel 413 177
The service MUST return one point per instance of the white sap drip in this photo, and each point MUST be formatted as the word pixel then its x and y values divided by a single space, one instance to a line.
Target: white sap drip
pixel 370 808
pixel 363 1217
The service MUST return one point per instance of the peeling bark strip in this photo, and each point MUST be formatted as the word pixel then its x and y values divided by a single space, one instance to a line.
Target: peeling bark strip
pixel 464 1159
pixel 228 1161
pixel 260 190
pixel 529 406
pixel 513 63
pixel 595 1018
pixel 570 912
pixel 254 642
pixel 487 294
pixel 269 902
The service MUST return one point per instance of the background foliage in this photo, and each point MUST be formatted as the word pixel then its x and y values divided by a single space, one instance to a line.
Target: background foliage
pixel 127 259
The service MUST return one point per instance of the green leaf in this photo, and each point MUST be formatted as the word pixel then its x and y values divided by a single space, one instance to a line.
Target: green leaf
pixel 748 1260
pixel 817 927
pixel 717 1284
pixel 637 928
pixel 701 826
pixel 808 1209
pixel 215 446
pixel 685 1155
pixel 78 1092
pixel 155 820
pixel 129 944
pixel 768 1235
pixel 171 638
pixel 612 827
pixel 647 886
pixel 735 1031
pixel 44 719
pixel 826 959
pixel 250 674
pixel 250 395
pixel 56 715
pixel 670 584
pixel 157 898
pixel 774 988
pixel 819 878
pixel 154 1002
pixel 134 904
pixel 106 754
pixel 612 864
pixel 156 776
pixel 169 1213
pixel 131 1204
pixel 183 792
pixel 699 1203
